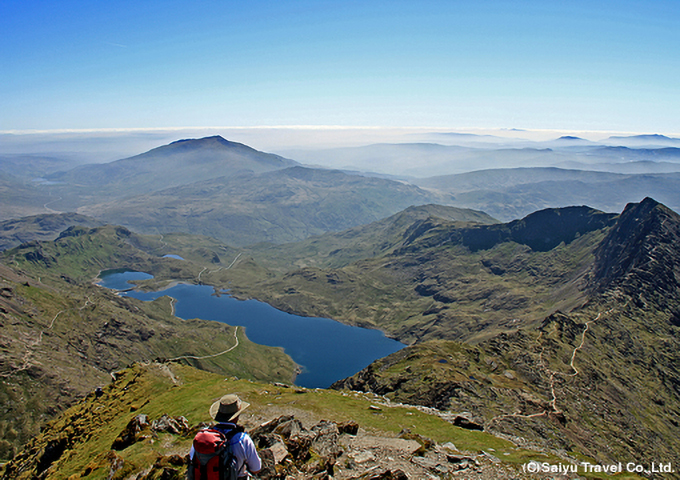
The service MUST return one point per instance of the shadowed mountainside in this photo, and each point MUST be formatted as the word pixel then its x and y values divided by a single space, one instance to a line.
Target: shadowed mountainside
pixel 40 227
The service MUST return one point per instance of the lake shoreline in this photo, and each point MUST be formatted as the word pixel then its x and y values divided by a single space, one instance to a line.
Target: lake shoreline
pixel 324 349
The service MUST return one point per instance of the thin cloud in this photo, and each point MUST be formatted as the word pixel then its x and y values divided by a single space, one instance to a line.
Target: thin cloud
pixel 113 44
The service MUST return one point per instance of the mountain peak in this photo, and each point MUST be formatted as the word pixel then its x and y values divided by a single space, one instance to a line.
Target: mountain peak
pixel 541 231
pixel 213 141
pixel 179 163
pixel 639 254
pixel 215 144
pixel 569 137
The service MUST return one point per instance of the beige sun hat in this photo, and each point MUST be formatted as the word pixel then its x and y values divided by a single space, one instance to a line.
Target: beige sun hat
pixel 227 408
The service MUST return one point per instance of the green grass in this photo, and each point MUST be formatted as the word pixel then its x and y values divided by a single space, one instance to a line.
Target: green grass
pixel 91 426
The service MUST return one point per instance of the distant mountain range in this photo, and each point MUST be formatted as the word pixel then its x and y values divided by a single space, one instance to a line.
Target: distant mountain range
pixel 223 189
pixel 279 206
pixel 30 167
pixel 507 194
pixel 421 160
pixel 637 140
pixel 19 198
pixel 242 196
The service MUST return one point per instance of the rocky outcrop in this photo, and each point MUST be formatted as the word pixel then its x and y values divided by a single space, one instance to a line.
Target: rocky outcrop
pixel 342 450
pixel 139 429
pixel 288 449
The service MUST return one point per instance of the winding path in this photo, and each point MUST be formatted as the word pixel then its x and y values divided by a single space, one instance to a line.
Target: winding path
pixel 553 401
pixel 49 210
pixel 220 268
pixel 31 345
pixel 210 356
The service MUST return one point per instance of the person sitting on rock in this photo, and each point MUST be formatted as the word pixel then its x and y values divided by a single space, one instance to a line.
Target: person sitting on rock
pixel 225 412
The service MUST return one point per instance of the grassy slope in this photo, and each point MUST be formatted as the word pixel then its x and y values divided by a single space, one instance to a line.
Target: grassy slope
pixel 617 403
pixel 86 431
pixel 62 335
pixel 39 227
pixel 601 380
pixel 334 250
pixel 415 289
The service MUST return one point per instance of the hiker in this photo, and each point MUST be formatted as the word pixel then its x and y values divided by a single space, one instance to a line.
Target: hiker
pixel 225 446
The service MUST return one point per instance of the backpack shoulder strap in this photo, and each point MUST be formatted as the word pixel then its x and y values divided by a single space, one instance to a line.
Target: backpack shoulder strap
pixel 234 431
pixel 228 464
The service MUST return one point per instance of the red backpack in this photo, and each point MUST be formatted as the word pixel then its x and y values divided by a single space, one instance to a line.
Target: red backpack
pixel 213 457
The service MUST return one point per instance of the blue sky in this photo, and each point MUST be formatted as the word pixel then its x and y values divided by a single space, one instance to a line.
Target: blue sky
pixel 573 65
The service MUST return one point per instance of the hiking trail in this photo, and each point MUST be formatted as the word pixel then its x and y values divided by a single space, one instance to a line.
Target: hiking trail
pixel 30 346
pixel 183 357
pixel 553 402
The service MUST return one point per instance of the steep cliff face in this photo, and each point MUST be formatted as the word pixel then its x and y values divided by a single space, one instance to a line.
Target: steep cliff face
pixel 640 256
pixel 541 231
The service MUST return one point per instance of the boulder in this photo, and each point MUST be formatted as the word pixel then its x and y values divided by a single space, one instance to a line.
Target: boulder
pixel 464 422
pixel 137 429
pixel 351 427
pixel 325 441
pixel 390 475
pixel 175 425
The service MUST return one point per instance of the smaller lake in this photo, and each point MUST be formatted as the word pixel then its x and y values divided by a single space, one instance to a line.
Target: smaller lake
pixel 326 350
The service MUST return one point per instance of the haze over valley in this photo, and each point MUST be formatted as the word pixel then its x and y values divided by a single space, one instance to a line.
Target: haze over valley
pixel 238 194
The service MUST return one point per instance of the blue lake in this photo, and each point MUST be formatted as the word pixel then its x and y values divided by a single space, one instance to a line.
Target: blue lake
pixel 326 350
